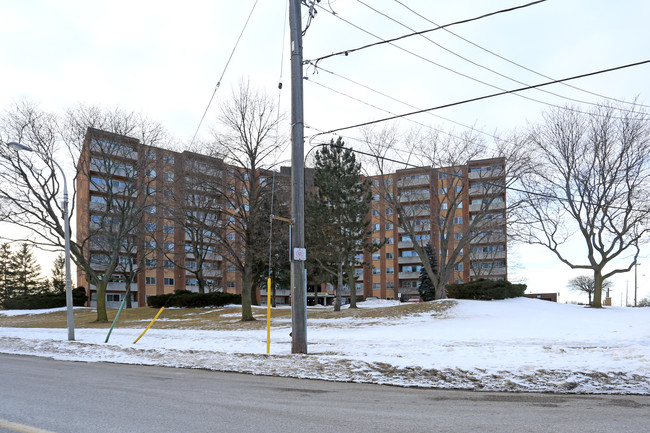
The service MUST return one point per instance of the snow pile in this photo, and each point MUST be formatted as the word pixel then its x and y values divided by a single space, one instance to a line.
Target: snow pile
pixel 511 345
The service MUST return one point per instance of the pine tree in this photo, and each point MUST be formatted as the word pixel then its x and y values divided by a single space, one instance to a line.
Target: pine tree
pixel 340 207
pixel 6 274
pixel 58 274
pixel 26 272
pixel 425 286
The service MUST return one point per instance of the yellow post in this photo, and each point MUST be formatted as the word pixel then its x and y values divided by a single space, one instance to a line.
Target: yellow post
pixel 268 316
pixel 147 328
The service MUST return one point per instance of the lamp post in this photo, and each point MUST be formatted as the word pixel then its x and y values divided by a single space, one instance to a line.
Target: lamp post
pixel 635 264
pixel 66 221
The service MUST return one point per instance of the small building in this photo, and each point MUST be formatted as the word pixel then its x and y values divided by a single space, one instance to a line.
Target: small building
pixel 543 296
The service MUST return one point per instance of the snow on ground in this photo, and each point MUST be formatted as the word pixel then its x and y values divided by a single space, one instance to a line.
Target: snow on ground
pixel 510 345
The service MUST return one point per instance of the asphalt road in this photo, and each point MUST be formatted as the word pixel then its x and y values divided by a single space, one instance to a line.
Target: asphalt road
pixel 40 395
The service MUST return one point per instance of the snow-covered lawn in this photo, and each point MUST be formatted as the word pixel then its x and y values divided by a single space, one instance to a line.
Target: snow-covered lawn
pixel 514 345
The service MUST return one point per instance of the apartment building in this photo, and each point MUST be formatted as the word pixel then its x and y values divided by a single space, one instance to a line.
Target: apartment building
pixel 173 203
pixel 157 191
pixel 462 208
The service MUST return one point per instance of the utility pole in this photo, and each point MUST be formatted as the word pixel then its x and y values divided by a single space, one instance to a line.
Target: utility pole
pixel 298 283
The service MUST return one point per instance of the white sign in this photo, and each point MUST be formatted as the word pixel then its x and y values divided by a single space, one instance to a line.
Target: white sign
pixel 300 254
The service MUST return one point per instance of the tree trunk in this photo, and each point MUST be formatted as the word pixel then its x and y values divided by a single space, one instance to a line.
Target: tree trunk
pixel 353 288
pixel 246 306
pixel 339 286
pixel 101 301
pixel 598 289
pixel 127 294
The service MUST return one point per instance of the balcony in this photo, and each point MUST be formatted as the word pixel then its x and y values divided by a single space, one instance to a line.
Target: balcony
pixel 489 239
pixel 488 256
pixel 424 180
pixel 405 244
pixel 493 272
pixel 405 197
pixel 491 207
pixel 409 260
pixel 121 287
pixel 486 174
pixel 408 275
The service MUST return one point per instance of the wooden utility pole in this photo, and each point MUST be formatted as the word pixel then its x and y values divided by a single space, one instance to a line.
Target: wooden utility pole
pixel 298 278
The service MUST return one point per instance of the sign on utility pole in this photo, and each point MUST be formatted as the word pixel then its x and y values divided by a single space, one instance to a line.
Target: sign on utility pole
pixel 298 280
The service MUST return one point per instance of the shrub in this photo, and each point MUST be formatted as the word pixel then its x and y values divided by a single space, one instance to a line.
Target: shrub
pixel 45 300
pixel 485 290
pixel 187 299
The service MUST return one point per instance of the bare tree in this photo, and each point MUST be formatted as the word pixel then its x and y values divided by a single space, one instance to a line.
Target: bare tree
pixel 585 284
pixel 30 193
pixel 452 171
pixel 247 140
pixel 591 182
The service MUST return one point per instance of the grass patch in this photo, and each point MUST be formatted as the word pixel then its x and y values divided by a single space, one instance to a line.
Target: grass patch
pixel 228 317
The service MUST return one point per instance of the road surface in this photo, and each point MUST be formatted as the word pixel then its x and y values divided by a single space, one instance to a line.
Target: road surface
pixel 39 395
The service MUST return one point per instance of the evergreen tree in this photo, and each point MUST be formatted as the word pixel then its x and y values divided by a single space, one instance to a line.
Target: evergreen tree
pixel 26 272
pixel 6 274
pixel 58 274
pixel 339 210
pixel 425 285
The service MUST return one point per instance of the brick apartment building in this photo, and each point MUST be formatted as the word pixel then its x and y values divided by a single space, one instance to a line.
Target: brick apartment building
pixel 158 250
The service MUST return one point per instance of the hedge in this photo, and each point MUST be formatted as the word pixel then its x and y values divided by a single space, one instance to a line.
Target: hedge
pixel 45 300
pixel 483 289
pixel 187 299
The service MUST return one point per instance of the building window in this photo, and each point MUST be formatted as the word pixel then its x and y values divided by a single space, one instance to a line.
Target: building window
pixel 376 256
pixel 458 267
pixel 389 226
pixel 375 212
pixel 168 246
pixel 113 297
pixel 150 227
pixel 150 263
pixel 376 286
pixel 230 236
pixel 458 236
pixel 151 155
pixel 442 190
pixel 168 177
pixel 150 172
pixel 150 281
pixel 389 255
pixel 375 197
pixel 169 281
pixel 230 268
pixel 231 284
pixel 169 159
pixel 376 241
pixel 168 264
pixel 150 245
pixel 389 211
pixel 168 229
pixel 376 227
pixel 376 271
pixel 442 175
pixel 375 182
pixel 390 270
pixel 150 209
pixel 390 241
pixel 458 220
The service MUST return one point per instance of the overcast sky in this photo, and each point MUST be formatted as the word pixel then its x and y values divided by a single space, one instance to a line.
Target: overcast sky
pixel 164 58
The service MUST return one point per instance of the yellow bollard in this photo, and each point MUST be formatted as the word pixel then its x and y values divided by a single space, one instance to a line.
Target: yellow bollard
pixel 268 316
pixel 147 328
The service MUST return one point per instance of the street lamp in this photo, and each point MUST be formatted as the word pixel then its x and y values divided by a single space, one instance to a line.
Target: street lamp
pixel 66 218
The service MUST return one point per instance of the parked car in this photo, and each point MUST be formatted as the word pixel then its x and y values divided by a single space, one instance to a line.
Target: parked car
pixel 413 300
pixel 372 298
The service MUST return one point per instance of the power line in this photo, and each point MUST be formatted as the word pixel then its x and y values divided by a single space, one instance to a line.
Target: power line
pixel 602 71
pixel 469 77
pixel 478 64
pixel 347 52
pixel 223 72
pixel 515 63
